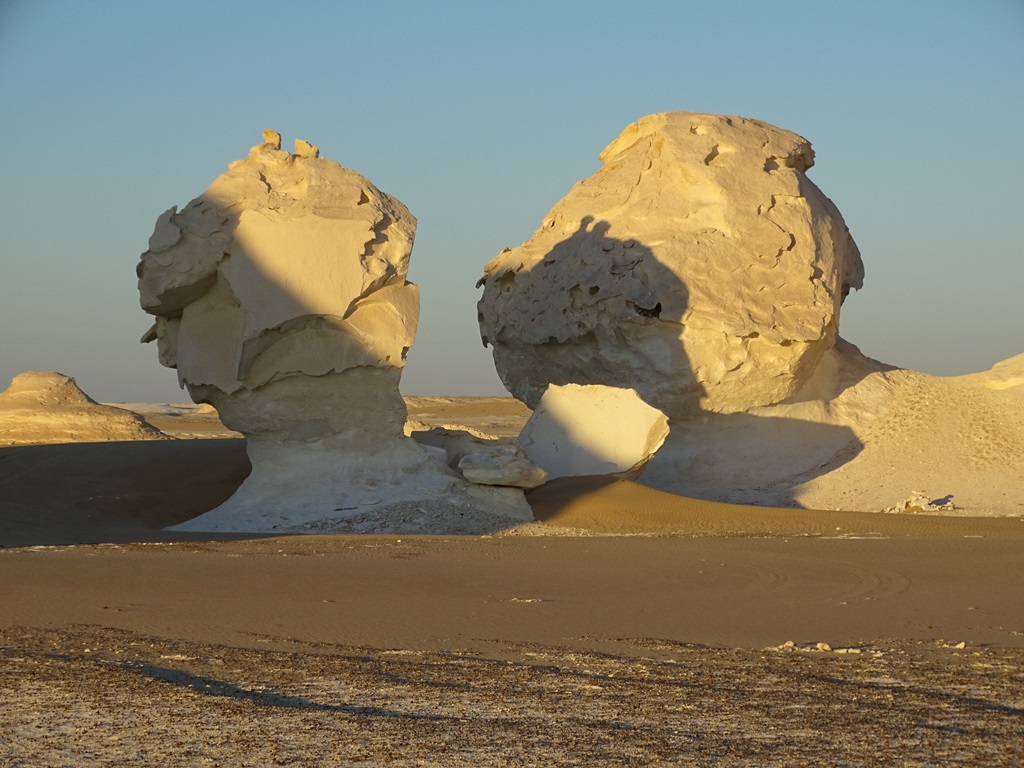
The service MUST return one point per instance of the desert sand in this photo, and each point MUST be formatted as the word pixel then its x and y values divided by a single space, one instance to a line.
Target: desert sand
pixel 626 626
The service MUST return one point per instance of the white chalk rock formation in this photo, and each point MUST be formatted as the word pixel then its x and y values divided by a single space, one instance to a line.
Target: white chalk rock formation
pixel 480 458
pixel 286 276
pixel 592 430
pixel 280 296
pixel 49 407
pixel 699 266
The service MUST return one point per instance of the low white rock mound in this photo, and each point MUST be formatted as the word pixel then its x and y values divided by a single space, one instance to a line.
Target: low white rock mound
pixel 699 266
pixel 592 430
pixel 49 407
pixel 886 431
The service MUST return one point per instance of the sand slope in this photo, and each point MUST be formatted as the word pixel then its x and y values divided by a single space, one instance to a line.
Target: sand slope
pixel 955 437
pixel 887 434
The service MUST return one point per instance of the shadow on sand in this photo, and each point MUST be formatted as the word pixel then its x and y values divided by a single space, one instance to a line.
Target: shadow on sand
pixel 117 492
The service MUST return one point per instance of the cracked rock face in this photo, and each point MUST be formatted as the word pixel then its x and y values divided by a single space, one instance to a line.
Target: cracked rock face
pixel 280 296
pixel 699 266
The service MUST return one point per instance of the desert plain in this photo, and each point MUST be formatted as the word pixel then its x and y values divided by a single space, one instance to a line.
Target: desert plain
pixel 625 626
pixel 707 531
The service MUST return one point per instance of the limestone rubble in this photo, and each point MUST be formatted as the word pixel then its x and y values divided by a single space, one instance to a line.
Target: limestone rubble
pixel 699 266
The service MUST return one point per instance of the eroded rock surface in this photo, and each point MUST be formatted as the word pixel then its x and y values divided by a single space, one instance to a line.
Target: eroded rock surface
pixel 49 407
pixel 699 266
pixel 281 297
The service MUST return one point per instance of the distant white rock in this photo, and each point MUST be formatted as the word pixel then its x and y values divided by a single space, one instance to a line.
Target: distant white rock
pixel 592 430
pixel 49 407
pixel 281 297
pixel 699 266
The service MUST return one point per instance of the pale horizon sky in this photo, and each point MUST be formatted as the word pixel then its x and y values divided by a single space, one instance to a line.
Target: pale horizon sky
pixel 480 117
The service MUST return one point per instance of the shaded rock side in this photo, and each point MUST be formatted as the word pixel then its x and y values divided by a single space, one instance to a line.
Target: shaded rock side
pixel 49 407
pixel 503 465
pixel 699 266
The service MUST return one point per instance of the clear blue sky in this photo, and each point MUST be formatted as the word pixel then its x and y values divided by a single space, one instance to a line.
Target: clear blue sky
pixel 479 117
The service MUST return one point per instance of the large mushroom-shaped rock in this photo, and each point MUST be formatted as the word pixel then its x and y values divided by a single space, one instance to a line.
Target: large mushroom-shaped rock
pixel 280 296
pixel 49 407
pixel 700 267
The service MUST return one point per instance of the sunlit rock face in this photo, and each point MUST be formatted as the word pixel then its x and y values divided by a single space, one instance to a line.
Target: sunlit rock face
pixel 699 266
pixel 49 407
pixel 592 430
pixel 280 296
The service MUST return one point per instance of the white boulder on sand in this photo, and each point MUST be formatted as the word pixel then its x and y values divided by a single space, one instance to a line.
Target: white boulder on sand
pixel 49 407
pixel 592 430
pixel 281 298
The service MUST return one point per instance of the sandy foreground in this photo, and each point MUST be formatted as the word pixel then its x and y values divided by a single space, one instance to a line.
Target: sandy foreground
pixel 714 634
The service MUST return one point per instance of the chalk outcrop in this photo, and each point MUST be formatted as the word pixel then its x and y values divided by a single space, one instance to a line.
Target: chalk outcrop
pixel 592 430
pixel 281 297
pixel 699 266
pixel 49 407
